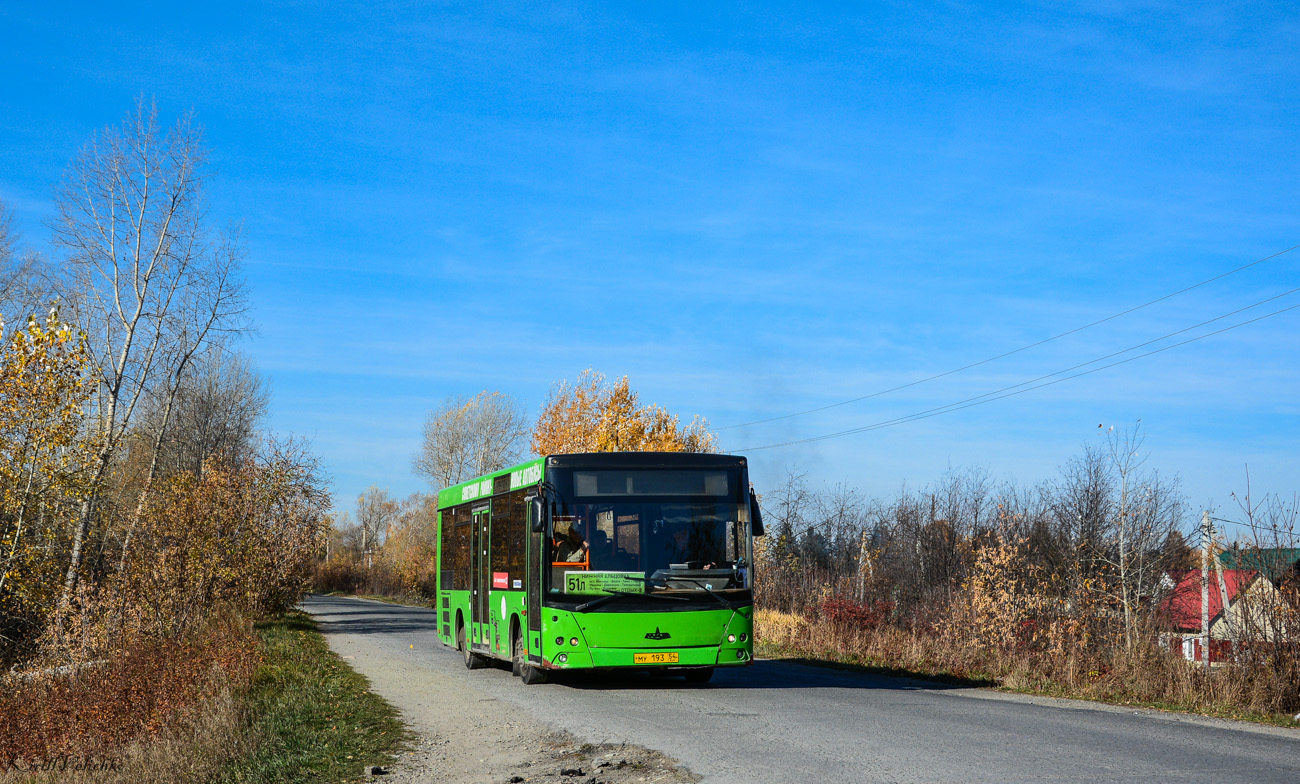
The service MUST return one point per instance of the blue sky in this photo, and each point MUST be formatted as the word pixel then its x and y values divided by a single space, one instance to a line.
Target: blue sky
pixel 751 210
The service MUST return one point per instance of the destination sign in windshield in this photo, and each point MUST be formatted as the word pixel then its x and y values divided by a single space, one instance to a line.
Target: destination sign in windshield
pixel 604 582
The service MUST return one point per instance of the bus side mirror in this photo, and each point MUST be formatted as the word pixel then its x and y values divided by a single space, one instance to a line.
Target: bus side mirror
pixel 537 509
pixel 755 514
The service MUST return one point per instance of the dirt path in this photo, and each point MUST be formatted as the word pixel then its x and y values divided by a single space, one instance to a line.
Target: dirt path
pixel 465 735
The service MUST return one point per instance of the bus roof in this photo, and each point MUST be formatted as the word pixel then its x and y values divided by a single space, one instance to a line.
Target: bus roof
pixel 521 475
pixel 531 472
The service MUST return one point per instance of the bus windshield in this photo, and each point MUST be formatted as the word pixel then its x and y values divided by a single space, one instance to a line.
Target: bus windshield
pixel 613 540
pixel 644 547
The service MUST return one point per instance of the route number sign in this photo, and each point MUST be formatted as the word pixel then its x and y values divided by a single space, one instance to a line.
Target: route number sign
pixel 604 582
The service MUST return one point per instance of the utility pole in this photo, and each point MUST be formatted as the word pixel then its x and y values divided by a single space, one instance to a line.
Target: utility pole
pixel 1205 589
pixel 865 570
pixel 365 542
pixel 1223 596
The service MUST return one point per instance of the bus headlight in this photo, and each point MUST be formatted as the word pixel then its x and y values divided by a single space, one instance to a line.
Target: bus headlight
pixel 563 658
pixel 559 640
pixel 743 636
pixel 731 638
pixel 573 641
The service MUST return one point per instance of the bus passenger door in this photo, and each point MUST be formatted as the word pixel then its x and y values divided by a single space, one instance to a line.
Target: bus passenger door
pixel 480 580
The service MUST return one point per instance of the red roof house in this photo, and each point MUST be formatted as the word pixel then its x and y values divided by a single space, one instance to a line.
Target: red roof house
pixel 1241 622
pixel 1183 605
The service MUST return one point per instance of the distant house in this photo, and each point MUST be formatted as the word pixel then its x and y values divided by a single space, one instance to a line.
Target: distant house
pixel 1247 595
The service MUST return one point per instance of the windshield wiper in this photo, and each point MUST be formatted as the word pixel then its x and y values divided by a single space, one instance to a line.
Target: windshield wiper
pixel 724 602
pixel 622 595
pixel 662 581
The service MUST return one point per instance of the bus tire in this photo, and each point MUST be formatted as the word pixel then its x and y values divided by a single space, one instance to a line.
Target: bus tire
pixel 531 674
pixel 472 660
pixel 701 675
pixel 518 658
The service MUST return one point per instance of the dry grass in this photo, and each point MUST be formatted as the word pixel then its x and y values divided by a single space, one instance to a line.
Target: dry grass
pixel 202 714
pixel 195 750
pixel 888 648
pixel 155 693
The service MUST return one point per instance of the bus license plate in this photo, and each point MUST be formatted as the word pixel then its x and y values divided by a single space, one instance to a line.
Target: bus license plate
pixel 654 658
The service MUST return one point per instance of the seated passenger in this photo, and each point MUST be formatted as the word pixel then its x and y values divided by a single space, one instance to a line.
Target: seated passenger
pixel 680 551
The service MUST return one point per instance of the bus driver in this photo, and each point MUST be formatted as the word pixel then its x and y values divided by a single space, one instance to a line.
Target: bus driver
pixel 573 547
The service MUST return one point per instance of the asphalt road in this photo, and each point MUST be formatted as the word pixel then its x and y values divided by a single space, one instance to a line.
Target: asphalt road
pixel 777 722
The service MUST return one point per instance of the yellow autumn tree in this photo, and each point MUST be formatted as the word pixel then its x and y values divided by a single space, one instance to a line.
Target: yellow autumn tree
pixel 592 415
pixel 42 460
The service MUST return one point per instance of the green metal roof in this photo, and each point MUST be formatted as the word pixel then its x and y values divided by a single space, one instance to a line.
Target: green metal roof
pixel 1272 562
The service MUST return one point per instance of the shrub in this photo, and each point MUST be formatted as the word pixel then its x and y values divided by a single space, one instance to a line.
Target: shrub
pixel 99 708
pixel 848 614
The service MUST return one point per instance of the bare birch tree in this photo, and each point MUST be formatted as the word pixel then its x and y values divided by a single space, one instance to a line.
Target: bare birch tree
pixel 145 276
pixel 376 512
pixel 215 413
pixel 8 236
pixel 21 291
pixel 466 437
pixel 1269 544
pixel 1145 513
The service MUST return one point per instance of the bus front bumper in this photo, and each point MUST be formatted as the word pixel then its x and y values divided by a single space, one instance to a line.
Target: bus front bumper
pixel 627 658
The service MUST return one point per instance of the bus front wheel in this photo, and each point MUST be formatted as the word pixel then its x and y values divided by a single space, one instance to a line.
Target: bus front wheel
pixel 526 671
pixel 531 674
pixel 517 655
pixel 701 675
pixel 472 660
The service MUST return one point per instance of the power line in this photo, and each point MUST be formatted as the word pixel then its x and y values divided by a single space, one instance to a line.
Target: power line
pixel 1013 351
pixel 1016 389
pixel 1138 346
pixel 992 396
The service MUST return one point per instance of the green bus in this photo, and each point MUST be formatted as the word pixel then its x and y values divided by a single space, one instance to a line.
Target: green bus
pixel 601 561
